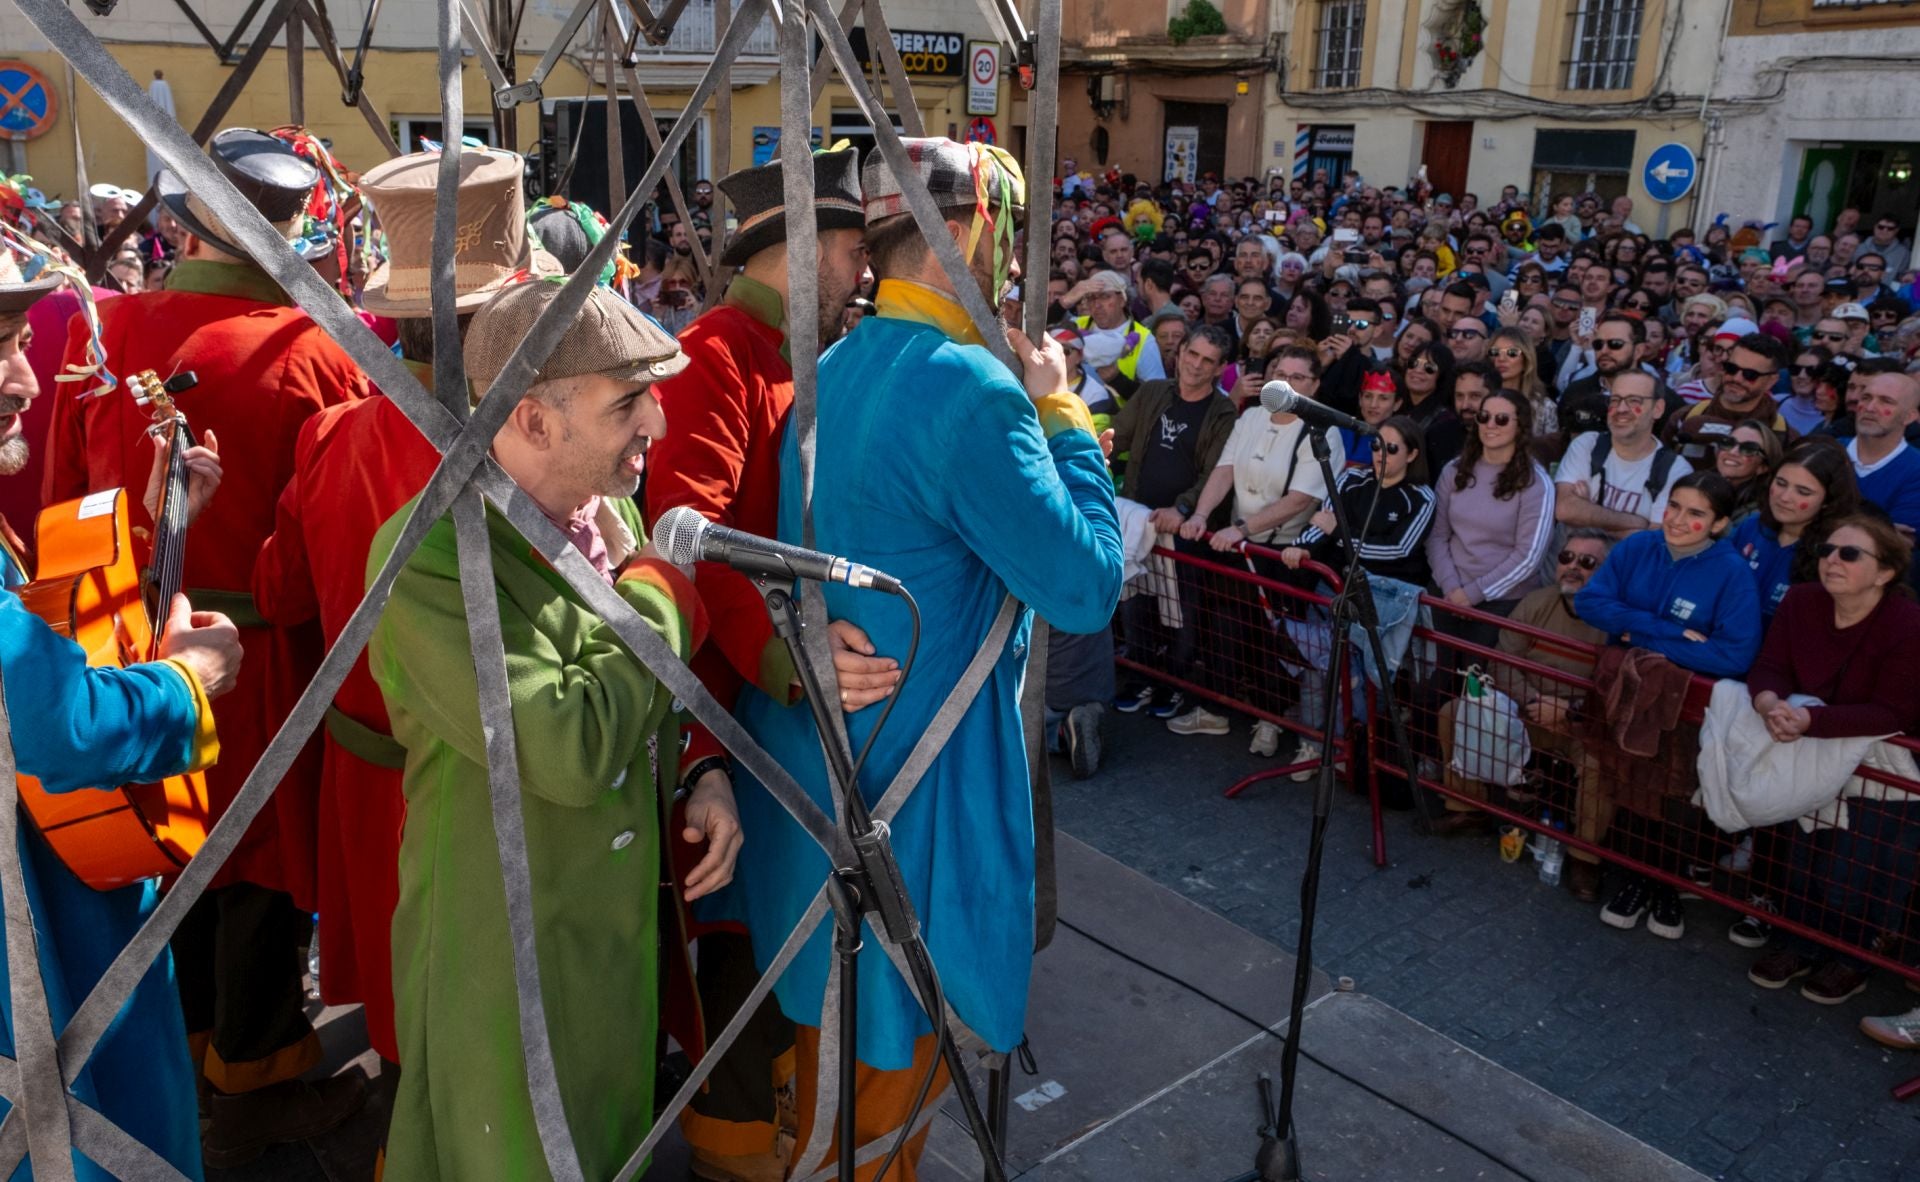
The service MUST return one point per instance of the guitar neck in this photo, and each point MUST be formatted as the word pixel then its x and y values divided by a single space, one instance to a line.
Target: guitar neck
pixel 168 571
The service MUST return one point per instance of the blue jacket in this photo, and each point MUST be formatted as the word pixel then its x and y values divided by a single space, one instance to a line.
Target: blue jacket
pixel 1640 592
pixel 932 466
pixel 73 727
pixel 1770 562
pixel 1895 487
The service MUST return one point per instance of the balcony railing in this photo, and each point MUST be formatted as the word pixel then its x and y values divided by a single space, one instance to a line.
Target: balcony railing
pixel 693 34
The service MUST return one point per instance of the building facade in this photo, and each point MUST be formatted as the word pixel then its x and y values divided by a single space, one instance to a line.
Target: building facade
pixel 1133 97
pixel 1814 112
pixel 1550 96
pixel 154 37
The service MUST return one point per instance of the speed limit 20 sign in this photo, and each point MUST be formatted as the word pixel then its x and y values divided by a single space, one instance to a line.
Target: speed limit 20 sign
pixel 983 78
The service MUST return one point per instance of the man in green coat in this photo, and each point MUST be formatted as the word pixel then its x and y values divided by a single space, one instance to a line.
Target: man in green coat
pixel 596 740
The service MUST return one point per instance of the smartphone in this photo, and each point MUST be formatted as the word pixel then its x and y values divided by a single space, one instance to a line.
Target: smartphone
pixel 1276 217
pixel 1354 256
pixel 1344 235
pixel 1589 319
pixel 1341 322
pixel 1510 303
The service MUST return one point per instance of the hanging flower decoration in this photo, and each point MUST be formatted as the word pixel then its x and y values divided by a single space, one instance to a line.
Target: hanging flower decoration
pixel 1459 28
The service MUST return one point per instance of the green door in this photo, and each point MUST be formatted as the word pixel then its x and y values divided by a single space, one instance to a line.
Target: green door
pixel 1823 184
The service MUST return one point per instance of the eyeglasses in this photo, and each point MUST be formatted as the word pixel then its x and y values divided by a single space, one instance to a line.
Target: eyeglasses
pixel 1751 375
pixel 1633 402
pixel 1886 226
pixel 1462 334
pixel 1508 351
pixel 1745 447
pixel 1424 367
pixel 1392 449
pixel 1568 305
pixel 1846 553
pixel 1583 561
pixel 1612 342
pixel 1866 266
pixel 1500 419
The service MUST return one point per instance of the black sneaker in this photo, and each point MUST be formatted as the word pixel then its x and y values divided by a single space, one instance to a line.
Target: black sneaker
pixel 1628 904
pixel 1170 706
pixel 1134 699
pixel 1701 876
pixel 1083 739
pixel 1667 918
pixel 1750 931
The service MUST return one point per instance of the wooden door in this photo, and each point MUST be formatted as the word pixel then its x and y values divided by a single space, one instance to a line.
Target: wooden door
pixel 1444 152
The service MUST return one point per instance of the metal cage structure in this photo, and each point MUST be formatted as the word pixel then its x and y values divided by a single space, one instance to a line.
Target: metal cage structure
pixel 47 1122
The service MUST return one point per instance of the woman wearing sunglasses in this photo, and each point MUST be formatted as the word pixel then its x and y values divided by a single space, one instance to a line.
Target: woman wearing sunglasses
pixel 1493 519
pixel 1685 593
pixel 1799 408
pixel 1852 641
pixel 1425 381
pixel 1518 365
pixel 1747 456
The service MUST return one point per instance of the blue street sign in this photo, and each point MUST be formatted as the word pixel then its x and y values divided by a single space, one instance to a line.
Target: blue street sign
pixel 1670 173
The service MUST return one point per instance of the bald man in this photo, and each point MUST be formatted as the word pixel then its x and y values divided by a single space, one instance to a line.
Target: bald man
pixel 1887 465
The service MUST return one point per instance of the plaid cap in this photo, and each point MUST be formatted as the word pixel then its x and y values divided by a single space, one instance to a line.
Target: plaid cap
pixel 948 168
pixel 608 336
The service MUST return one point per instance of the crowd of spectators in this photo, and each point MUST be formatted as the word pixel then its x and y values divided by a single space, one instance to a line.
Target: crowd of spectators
pixel 1696 450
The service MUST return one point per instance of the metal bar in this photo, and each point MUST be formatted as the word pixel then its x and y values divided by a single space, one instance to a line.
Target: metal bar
pixel 849 13
pixel 239 30
pixel 315 14
pixel 675 194
pixel 484 49
pixel 242 73
pixel 42 1103
pixel 193 18
pixel 722 162
pixel 663 28
pixel 880 46
pixel 1043 135
pixel 529 91
pixel 616 126
pixel 449 368
pixel 296 73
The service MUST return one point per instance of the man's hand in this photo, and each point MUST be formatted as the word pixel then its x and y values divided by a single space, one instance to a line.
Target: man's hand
pixel 1192 528
pixel 1167 521
pixel 1547 710
pixel 1043 366
pixel 203 474
pixel 864 677
pixel 1227 538
pixel 712 818
pixel 1106 443
pixel 1696 637
pixel 205 642
pixel 1293 556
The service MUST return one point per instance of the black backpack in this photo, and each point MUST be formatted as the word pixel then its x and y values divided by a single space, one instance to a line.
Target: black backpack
pixel 1663 458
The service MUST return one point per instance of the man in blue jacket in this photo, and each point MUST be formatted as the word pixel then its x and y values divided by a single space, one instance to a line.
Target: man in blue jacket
pixel 938 465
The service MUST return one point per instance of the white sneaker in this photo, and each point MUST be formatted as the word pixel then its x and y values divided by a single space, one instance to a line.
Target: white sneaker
pixel 1900 1031
pixel 1266 739
pixel 1740 859
pixel 1199 721
pixel 1309 753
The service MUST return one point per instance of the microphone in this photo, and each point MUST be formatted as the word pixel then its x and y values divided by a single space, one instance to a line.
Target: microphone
pixel 684 537
pixel 1279 398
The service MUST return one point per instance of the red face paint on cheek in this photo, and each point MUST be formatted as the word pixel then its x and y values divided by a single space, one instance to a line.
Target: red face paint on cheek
pixel 1697 526
pixel 1805 505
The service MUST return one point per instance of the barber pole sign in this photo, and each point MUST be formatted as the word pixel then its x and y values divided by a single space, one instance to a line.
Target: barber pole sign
pixel 1302 152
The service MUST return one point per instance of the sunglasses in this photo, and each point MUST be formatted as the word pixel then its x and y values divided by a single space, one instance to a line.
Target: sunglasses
pixel 1508 351
pixel 1745 447
pixel 1500 419
pixel 1751 375
pixel 1583 561
pixel 1360 325
pixel 1846 553
pixel 1392 449
pixel 1612 342
pixel 1425 367
pixel 1568 305
pixel 1803 371
pixel 1829 336
pixel 1463 334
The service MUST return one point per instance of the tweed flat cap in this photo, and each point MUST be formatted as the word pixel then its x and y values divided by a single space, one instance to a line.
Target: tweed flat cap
pixel 609 336
pixel 949 170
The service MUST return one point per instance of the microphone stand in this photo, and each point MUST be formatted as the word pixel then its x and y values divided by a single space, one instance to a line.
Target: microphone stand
pixel 1278 1159
pixel 872 887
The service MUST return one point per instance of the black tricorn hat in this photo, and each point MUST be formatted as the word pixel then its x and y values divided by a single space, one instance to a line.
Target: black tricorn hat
pixel 759 199
pixel 265 170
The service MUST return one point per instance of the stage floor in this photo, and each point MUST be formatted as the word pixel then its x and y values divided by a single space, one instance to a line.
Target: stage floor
pixel 1146 1017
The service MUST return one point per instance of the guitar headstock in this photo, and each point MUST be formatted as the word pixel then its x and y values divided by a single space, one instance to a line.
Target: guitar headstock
pixel 151 392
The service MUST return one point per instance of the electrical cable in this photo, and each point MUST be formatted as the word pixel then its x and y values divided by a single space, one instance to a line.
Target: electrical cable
pixel 1257 1024
pixel 906 670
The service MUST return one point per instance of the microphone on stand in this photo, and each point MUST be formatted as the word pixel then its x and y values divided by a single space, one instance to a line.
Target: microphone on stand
pixel 1279 398
pixel 684 537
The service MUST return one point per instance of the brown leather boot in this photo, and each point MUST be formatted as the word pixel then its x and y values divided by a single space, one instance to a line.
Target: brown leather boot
pixel 244 1124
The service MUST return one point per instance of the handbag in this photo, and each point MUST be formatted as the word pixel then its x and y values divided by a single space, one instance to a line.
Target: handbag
pixel 1490 740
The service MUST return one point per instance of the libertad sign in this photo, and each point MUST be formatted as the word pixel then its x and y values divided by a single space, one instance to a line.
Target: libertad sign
pixel 925 54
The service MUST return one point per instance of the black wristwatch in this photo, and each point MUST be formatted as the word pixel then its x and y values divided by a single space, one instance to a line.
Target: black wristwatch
pixel 699 768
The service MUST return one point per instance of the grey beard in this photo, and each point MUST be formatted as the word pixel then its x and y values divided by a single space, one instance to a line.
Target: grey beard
pixel 14 454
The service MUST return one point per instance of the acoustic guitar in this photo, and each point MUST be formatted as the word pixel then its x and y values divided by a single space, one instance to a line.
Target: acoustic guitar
pixel 88 588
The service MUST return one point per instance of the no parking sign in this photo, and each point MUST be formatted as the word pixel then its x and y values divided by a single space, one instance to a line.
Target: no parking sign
pixel 980 131
pixel 26 101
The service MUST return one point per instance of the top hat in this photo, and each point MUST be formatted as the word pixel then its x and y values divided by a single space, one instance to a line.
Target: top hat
pixel 265 170
pixel 490 243
pixel 759 198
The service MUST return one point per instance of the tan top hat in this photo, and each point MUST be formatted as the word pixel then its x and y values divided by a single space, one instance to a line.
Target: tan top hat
pixel 490 244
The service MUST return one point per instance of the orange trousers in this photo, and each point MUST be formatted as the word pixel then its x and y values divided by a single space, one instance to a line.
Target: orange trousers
pixel 885 1097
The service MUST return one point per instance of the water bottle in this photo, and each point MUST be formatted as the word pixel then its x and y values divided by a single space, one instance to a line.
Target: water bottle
pixel 1552 858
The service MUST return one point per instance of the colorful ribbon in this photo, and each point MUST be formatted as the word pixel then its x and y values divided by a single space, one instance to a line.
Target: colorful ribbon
pixel 37 259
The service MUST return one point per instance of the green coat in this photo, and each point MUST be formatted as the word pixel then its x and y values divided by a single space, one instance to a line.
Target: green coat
pixel 584 709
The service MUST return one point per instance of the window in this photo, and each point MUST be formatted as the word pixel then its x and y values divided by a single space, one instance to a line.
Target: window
pixel 1337 43
pixel 1606 42
pixel 409 130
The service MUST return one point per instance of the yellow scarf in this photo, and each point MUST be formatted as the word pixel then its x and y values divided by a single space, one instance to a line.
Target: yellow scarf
pixel 906 300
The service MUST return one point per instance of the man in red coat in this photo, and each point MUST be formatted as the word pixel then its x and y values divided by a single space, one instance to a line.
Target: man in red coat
pixel 724 413
pixel 355 465
pixel 264 368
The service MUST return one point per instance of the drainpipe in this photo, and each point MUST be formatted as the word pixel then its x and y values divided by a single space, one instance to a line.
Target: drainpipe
pixel 1711 144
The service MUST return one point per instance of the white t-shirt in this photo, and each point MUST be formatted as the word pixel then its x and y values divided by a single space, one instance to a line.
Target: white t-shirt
pixel 1626 484
pixel 1264 454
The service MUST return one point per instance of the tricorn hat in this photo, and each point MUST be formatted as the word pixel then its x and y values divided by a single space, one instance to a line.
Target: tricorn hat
pixel 265 170
pixel 759 199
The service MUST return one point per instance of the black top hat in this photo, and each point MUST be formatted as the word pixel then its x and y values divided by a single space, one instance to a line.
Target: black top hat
pixel 759 199
pixel 265 170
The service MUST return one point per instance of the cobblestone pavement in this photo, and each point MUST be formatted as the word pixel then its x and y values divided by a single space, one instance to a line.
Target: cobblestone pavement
pixel 1666 1039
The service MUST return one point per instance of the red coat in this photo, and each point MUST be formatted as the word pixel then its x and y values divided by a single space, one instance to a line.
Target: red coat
pixel 721 455
pixel 264 369
pixel 355 466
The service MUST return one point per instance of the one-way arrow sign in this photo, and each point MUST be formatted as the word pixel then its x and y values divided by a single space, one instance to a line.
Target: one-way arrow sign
pixel 1669 173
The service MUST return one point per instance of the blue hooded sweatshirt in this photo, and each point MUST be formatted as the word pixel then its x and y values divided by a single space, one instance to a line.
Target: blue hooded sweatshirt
pixel 1771 563
pixel 1643 593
